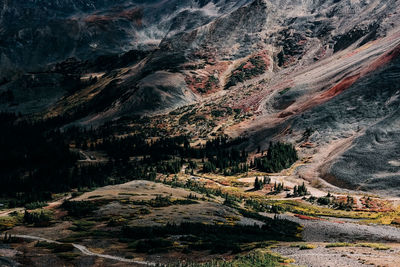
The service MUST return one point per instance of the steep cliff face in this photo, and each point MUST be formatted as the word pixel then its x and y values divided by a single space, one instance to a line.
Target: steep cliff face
pixel 35 33
pixel 327 68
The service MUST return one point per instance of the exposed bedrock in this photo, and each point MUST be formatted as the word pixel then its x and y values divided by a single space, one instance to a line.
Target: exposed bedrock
pixel 369 108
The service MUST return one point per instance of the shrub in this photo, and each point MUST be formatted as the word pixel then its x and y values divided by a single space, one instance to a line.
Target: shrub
pixel 324 200
pixel 37 218
pixel 35 205
pixel 151 245
pixel 247 70
pixel 79 208
pixel 256 258
pixel 55 247
pixel 307 246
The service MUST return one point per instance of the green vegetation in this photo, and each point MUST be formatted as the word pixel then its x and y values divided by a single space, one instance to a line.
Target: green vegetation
pixel 278 188
pixel 217 112
pixel 284 91
pixel 9 239
pixel 223 156
pixel 68 256
pixel 130 157
pixel 305 209
pixel 79 208
pixel 258 258
pixel 247 70
pixel 299 191
pixel 40 152
pixel 161 201
pixel 334 203
pixel 259 184
pixel 8 222
pixel 210 84
pixel 375 246
pixel 217 238
pixel 195 186
pixel 39 218
pixel 55 247
pixel 82 225
pixel 33 154
pixel 155 245
pixel 35 205
pixel 280 156
pixel 304 246
pixel 324 200
pixel 117 221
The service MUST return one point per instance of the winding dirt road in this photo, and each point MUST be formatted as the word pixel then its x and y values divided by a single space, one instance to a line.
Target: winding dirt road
pixel 86 251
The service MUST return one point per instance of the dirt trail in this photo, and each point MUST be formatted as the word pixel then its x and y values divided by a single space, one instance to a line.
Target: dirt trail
pixel 7 212
pixel 346 256
pixel 86 251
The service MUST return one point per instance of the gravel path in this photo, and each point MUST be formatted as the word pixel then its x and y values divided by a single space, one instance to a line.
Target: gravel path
pixel 337 230
pixel 332 230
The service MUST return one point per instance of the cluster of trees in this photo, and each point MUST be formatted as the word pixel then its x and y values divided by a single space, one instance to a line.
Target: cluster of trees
pixel 9 238
pixel 223 156
pixel 326 200
pixel 347 205
pixel 259 184
pixel 195 187
pixel 279 156
pixel 278 188
pixel 124 148
pixel 171 166
pixel 33 159
pixel 229 161
pixel 217 238
pixel 79 208
pixel 37 218
pixel 35 205
pixel 246 71
pixel 164 153
pixel 36 159
pixel 299 191
pixel 164 201
pixel 330 200
pixel 262 206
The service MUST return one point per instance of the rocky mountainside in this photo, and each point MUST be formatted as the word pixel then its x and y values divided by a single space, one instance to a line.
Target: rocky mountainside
pixel 35 33
pixel 319 73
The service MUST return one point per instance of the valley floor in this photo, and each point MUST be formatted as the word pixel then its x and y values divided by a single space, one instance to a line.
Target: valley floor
pixel 350 238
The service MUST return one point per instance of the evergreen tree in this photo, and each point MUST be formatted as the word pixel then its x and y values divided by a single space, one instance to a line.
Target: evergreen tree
pixel 257 184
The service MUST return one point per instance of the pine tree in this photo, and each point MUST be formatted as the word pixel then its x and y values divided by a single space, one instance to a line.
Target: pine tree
pixel 257 185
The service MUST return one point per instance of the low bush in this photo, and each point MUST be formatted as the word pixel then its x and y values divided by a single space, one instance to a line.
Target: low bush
pixel 35 205
pixel 79 208
pixel 154 245
pixel 258 258
pixel 55 247
pixel 40 218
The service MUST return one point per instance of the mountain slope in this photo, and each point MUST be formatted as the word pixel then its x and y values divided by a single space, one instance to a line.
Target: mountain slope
pixel 321 74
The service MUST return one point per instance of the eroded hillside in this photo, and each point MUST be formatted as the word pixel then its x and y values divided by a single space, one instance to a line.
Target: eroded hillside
pixel 319 74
